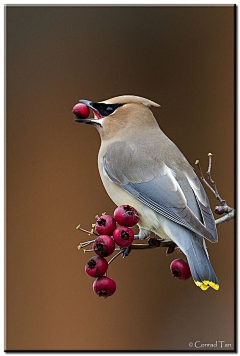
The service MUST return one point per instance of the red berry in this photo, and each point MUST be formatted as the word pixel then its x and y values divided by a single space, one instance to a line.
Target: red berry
pixel 81 110
pixel 104 245
pixel 105 225
pixel 180 269
pixel 96 266
pixel 126 215
pixel 123 236
pixel 104 287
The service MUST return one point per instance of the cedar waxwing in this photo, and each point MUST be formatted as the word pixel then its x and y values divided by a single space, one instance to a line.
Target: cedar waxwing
pixel 140 166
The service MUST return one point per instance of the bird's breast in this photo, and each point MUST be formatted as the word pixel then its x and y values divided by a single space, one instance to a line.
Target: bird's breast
pixel 149 219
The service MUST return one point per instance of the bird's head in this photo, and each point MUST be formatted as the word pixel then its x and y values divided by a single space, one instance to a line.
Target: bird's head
pixel 119 114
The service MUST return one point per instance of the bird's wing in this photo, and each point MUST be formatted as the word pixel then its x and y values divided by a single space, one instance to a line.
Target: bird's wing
pixel 152 182
pixel 203 203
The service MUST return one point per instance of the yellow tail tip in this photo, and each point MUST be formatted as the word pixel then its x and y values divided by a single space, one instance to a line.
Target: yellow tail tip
pixel 204 285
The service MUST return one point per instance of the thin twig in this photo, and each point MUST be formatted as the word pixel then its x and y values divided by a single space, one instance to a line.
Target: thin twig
pixel 213 183
pixel 202 176
pixel 213 187
pixel 141 247
pixel 115 256
pixel 159 243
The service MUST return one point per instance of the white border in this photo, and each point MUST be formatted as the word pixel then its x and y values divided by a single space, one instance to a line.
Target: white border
pixel 2 108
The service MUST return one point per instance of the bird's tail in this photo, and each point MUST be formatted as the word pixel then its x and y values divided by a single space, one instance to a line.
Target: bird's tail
pixel 200 265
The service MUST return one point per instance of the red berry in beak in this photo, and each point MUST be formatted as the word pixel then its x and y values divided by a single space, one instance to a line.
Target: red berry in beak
pixel 104 287
pixel 105 225
pixel 126 215
pixel 104 245
pixel 180 269
pixel 81 110
pixel 123 236
pixel 96 266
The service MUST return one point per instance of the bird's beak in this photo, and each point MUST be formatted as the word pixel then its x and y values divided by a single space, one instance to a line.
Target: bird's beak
pixel 97 115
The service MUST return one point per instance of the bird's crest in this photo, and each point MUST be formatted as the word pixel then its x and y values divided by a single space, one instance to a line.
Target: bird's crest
pixel 125 99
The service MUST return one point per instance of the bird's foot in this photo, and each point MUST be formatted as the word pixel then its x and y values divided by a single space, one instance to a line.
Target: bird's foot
pixel 143 234
pixel 154 242
pixel 126 252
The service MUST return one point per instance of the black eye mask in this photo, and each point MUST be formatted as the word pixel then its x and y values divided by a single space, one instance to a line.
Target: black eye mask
pixel 105 109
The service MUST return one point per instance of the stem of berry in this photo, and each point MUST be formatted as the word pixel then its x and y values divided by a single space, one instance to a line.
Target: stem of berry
pixel 88 232
pixel 115 256
pixel 84 250
pixel 84 244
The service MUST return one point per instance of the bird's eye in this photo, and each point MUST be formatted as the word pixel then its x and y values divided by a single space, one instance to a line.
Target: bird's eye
pixel 109 110
pixel 105 109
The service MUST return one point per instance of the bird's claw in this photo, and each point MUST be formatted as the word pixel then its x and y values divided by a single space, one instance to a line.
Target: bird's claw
pixel 126 252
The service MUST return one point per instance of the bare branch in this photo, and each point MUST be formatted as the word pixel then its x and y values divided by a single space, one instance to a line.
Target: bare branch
pixel 224 208
pixel 202 177
pixel 213 184
pixel 226 217
pixel 153 242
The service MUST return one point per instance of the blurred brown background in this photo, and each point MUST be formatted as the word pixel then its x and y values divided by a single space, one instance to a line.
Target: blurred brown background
pixel 181 57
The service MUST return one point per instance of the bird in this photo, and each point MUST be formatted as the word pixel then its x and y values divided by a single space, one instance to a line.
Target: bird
pixel 141 167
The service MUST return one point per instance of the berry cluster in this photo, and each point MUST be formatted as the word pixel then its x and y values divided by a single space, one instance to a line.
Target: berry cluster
pixel 108 235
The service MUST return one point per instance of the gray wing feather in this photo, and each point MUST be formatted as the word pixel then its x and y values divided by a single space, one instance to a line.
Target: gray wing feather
pixel 203 203
pixel 154 184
